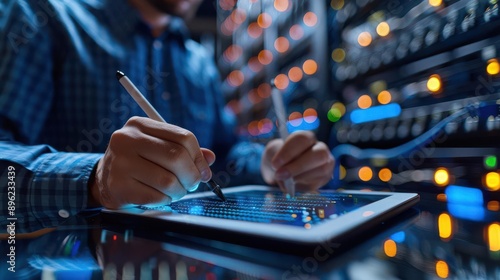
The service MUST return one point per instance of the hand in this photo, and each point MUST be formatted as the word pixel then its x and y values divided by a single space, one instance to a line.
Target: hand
pixel 301 157
pixel 149 163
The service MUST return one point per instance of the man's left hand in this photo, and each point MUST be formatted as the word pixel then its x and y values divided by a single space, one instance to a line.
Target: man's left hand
pixel 301 157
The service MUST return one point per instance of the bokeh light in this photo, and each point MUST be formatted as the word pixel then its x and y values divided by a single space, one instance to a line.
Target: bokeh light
pixel 310 115
pixel 281 5
pixel 445 226
pixel 232 53
pixel 281 81
pixel 295 119
pixel 310 67
pixel 337 4
pixel 265 57
pixel 383 29
pixel 365 173
pixel 494 237
pixel 336 112
pixel 310 19
pixel 490 162
pixel 435 3
pixel 364 39
pixel 385 174
pixel 390 248
pixel 281 44
pixel 254 30
pixel 338 55
pixel 493 67
pixel 434 84
pixel 295 74
pixel 264 90
pixel 236 78
pixel 265 126
pixel 227 4
pixel 364 101
pixel 384 97
pixel 441 177
pixel 493 205
pixel 492 181
pixel 264 20
pixel 296 32
pixel 238 16
pixel 254 64
pixel 442 270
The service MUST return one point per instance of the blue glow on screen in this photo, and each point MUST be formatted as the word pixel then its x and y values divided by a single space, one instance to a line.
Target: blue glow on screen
pixel 375 113
pixel 467 212
pixel 399 237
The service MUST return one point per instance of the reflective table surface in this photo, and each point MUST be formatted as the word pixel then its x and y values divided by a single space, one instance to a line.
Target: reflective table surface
pixel 434 240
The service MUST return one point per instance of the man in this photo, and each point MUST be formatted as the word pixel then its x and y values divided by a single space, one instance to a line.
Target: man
pixel 68 130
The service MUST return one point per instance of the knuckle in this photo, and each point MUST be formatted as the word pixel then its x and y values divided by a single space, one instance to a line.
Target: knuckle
pixel 164 180
pixel 134 121
pixel 175 153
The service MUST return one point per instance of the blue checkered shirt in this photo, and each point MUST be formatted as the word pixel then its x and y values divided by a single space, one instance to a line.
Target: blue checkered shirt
pixel 60 101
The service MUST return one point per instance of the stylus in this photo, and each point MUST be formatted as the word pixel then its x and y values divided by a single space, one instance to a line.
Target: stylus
pixel 153 114
pixel 279 108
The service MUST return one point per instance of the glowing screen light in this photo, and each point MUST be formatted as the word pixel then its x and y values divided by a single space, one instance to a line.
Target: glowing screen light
pixel 375 113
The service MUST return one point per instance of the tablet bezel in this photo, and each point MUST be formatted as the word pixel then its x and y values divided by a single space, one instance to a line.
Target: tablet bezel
pixel 357 219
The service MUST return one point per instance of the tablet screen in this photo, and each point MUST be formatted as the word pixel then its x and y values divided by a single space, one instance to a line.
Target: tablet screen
pixel 273 207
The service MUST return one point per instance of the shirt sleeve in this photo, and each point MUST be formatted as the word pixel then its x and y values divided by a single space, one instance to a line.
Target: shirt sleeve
pixel 44 185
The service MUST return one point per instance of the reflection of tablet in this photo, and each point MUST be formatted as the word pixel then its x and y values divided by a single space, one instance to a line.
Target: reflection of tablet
pixel 264 215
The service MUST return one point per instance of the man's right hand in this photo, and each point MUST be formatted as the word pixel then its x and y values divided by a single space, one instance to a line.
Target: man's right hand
pixel 149 163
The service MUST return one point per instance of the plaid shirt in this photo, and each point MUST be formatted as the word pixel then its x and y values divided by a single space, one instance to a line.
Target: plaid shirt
pixel 60 101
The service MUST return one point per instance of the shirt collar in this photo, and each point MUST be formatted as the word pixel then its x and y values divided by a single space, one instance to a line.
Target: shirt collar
pixel 125 18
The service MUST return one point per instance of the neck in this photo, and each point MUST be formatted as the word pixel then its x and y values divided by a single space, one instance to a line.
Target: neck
pixel 157 20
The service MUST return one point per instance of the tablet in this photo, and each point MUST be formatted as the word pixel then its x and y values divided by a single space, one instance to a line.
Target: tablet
pixel 264 215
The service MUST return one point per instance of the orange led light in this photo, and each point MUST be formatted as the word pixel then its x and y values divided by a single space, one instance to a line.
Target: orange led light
pixel 281 81
pixel 264 20
pixel 385 174
pixel 384 97
pixel 281 5
pixel 295 74
pixel 310 19
pixel 281 44
pixel 364 39
pixel 310 67
pixel 435 3
pixel 390 248
pixel 494 237
pixel 364 101
pixel 442 269
pixel 365 173
pixel 265 57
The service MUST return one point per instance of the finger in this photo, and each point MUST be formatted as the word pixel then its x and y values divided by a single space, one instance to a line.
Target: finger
pixel 172 157
pixel 296 144
pixel 266 168
pixel 318 157
pixel 173 133
pixel 142 194
pixel 155 176
pixel 208 155
pixel 312 180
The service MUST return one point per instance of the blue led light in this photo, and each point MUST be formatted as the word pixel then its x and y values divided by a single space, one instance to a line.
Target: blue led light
pixel 467 212
pixel 303 125
pixel 464 195
pixel 375 113
pixel 398 237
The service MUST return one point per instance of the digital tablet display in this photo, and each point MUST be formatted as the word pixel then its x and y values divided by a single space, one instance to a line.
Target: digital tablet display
pixel 305 210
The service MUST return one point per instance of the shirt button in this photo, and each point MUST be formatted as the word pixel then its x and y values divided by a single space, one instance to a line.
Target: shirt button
pixel 157 44
pixel 63 213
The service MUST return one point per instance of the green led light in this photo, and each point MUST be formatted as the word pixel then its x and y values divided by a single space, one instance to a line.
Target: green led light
pixel 490 162
pixel 334 115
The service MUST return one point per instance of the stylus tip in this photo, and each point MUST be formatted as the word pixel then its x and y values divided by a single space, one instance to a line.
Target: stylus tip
pixel 217 190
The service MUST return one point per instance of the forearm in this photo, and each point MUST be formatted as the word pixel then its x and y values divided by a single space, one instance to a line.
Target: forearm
pixel 50 186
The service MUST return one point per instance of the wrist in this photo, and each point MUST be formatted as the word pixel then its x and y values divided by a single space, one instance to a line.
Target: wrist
pixel 93 195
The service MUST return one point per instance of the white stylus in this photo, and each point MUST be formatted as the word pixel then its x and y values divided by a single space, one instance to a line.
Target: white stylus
pixel 279 108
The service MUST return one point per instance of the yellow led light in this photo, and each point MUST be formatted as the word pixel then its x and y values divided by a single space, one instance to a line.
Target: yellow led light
pixel 435 3
pixel 383 29
pixel 434 84
pixel 445 226
pixel 493 67
pixel 441 177
pixel 338 55
pixel 442 269
pixel 492 181
pixel 494 237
